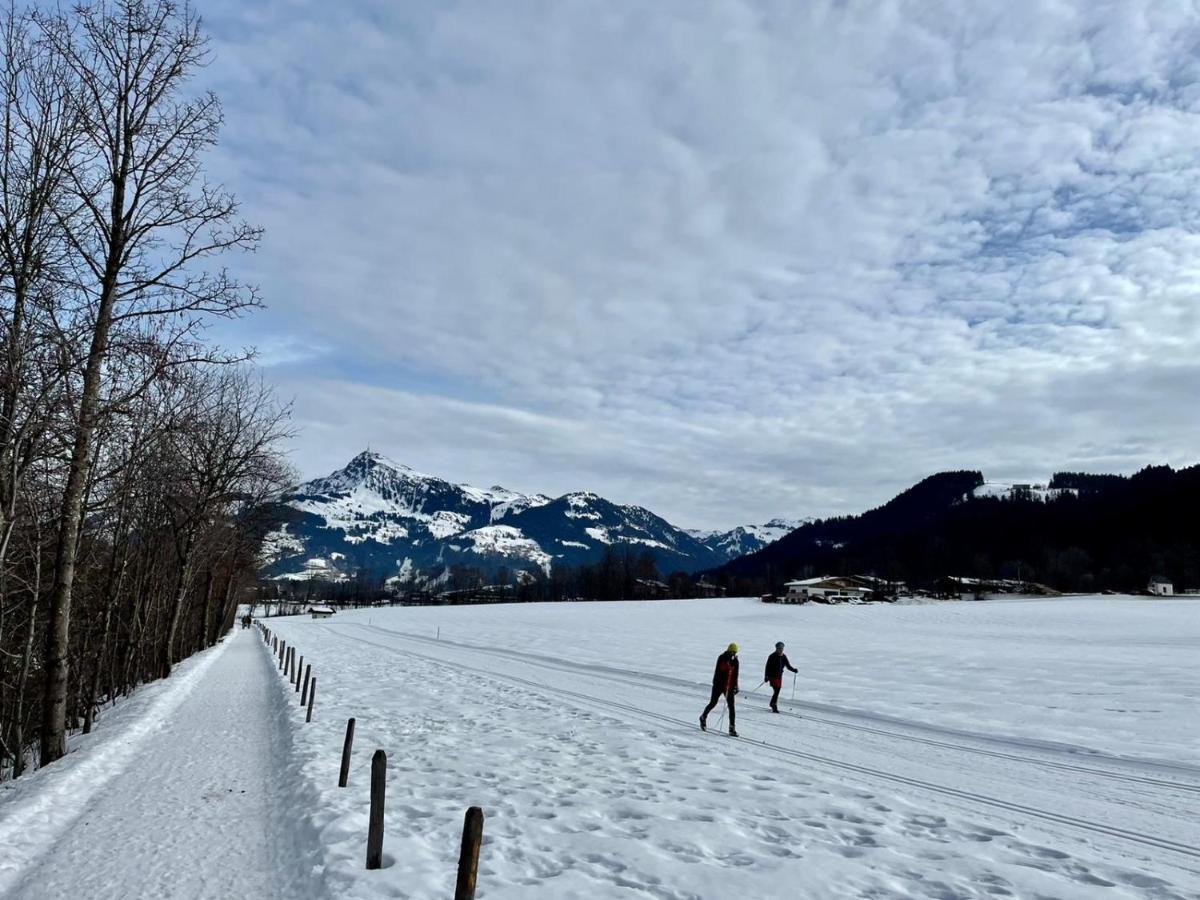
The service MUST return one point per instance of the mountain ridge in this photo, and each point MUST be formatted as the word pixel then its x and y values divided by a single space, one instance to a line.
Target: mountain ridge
pixel 1077 532
pixel 411 528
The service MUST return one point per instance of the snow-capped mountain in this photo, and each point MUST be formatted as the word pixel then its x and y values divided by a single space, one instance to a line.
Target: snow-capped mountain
pixel 390 521
pixel 747 538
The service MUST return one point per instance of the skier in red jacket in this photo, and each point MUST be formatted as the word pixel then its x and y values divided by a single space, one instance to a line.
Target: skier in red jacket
pixel 773 676
pixel 725 684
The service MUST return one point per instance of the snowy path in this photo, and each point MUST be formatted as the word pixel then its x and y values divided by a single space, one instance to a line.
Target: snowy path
pixel 204 808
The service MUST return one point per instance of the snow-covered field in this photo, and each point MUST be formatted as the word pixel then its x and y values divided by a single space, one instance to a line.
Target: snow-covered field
pixel 1028 748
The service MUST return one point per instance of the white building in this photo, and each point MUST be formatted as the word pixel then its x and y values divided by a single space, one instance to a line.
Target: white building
pixel 1160 587
pixel 826 589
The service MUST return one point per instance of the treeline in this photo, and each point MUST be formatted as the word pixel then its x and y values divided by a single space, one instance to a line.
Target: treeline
pixel 135 457
pixel 1099 532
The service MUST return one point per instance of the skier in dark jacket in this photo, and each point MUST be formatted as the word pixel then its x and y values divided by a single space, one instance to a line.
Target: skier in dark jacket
pixel 773 676
pixel 725 684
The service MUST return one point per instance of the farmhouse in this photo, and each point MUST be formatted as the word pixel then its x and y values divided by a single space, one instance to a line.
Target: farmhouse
pixel 650 589
pixel 827 589
pixel 1160 587
pixel 320 612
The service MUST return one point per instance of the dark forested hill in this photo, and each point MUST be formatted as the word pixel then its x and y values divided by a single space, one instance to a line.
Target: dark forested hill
pixel 1079 533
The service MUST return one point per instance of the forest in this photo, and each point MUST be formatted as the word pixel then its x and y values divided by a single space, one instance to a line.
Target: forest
pixel 1085 533
pixel 135 453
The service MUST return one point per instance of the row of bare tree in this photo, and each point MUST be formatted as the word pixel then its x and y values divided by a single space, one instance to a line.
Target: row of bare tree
pixel 136 458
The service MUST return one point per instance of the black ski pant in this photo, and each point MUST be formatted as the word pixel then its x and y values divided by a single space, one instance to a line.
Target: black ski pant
pixel 717 693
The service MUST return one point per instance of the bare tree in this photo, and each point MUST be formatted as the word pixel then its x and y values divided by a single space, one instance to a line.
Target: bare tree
pixel 39 138
pixel 226 442
pixel 149 223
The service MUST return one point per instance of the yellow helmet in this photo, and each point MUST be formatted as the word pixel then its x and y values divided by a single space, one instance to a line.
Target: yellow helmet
pixel 732 648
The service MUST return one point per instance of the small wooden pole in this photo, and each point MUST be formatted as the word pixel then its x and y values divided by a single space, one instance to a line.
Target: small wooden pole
pixel 375 820
pixel 296 674
pixel 282 654
pixel 468 857
pixel 312 694
pixel 292 670
pixel 304 693
pixel 344 774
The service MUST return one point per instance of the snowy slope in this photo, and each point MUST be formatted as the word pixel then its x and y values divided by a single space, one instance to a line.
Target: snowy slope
pixel 1005 489
pixel 747 538
pixel 1027 748
pixel 402 525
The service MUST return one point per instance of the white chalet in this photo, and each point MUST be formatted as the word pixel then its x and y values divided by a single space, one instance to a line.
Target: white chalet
pixel 321 612
pixel 1160 587
pixel 826 589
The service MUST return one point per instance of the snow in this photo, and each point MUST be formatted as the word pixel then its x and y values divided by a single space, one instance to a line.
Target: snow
pixel 598 534
pixel 444 524
pixel 188 789
pixel 1006 489
pixel 649 542
pixel 517 503
pixel 280 543
pixel 1018 747
pixel 580 504
pixel 504 540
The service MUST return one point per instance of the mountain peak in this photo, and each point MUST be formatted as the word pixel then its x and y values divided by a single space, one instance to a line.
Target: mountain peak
pixel 369 458
pixel 379 516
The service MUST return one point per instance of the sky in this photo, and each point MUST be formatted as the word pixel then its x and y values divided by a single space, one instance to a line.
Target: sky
pixel 726 260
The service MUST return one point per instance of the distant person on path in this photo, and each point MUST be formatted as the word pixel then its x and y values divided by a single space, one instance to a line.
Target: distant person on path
pixel 725 684
pixel 776 663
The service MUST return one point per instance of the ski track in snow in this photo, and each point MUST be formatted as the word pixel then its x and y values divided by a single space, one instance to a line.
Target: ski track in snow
pixel 197 798
pixel 596 781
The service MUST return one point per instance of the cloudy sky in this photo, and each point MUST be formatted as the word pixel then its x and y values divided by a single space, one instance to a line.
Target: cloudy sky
pixel 728 260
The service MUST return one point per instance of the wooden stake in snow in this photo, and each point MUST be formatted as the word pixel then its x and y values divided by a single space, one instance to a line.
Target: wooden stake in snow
pixel 344 774
pixel 312 695
pixel 375 820
pixel 296 673
pixel 468 857
pixel 304 693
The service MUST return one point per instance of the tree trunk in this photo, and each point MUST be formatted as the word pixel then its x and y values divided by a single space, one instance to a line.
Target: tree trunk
pixel 58 634
pixel 26 660
pixel 167 657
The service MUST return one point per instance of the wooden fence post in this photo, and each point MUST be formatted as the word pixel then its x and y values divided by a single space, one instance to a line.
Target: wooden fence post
pixel 468 857
pixel 296 674
pixel 304 693
pixel 292 667
pixel 375 820
pixel 312 694
pixel 344 774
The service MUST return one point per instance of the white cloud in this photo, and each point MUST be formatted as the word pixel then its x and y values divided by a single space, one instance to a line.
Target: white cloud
pixel 727 260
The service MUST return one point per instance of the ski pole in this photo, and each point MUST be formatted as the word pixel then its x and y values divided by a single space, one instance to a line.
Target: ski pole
pixel 753 692
pixel 793 685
